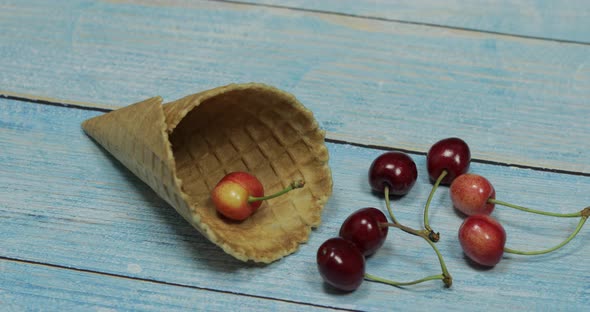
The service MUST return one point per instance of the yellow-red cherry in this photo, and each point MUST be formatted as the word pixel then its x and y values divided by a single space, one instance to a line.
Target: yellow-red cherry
pixel 232 193
pixel 239 194
pixel 470 194
pixel 482 239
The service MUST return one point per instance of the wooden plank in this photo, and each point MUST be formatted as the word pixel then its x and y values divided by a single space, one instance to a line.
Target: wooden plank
pixel 371 82
pixel 64 202
pixel 33 287
pixel 550 19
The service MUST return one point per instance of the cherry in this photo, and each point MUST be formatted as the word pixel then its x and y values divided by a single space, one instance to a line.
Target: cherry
pixel 451 155
pixel 364 229
pixel 394 170
pixel 446 160
pixel 392 173
pixel 341 264
pixel 470 194
pixel 482 239
pixel 239 194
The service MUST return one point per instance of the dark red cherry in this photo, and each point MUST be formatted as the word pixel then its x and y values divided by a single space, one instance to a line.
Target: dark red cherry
pixel 395 170
pixel 363 228
pixel 452 155
pixel 341 264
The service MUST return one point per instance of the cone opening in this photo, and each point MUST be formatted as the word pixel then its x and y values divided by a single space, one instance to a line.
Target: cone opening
pixel 265 132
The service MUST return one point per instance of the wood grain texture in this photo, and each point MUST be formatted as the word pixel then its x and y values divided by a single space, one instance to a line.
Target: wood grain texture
pixel 33 287
pixel 551 19
pixel 514 100
pixel 64 201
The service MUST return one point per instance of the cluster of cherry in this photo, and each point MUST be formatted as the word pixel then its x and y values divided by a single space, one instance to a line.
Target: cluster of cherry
pixel 341 260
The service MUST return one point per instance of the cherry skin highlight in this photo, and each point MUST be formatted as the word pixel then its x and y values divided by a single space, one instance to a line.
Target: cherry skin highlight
pixel 363 228
pixel 482 239
pixel 470 193
pixel 395 170
pixel 341 264
pixel 450 154
pixel 232 192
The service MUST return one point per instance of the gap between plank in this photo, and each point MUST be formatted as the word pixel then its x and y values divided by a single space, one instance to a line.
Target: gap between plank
pixel 481 161
pixel 392 20
pixel 154 281
pixel 107 108
pixel 55 102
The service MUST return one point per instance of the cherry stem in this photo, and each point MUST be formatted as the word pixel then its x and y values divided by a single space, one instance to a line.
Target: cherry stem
pixel 446 276
pixel 432 235
pixel 545 213
pixel 447 279
pixel 540 252
pixel 396 283
pixel 394 220
pixel 388 204
pixel 294 185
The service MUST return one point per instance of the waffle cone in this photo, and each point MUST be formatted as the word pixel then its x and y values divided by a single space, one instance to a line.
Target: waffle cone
pixel 183 148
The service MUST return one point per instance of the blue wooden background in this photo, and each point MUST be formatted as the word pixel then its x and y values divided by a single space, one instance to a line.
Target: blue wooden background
pixel 512 78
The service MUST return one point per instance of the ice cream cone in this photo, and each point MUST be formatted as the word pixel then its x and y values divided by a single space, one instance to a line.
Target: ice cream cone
pixel 183 148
